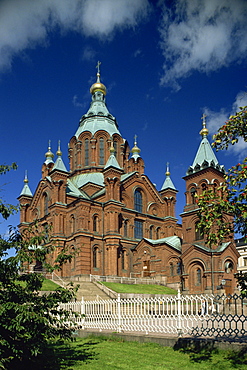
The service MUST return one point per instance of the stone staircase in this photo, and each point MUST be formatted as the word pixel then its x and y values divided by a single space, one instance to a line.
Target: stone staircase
pixel 88 290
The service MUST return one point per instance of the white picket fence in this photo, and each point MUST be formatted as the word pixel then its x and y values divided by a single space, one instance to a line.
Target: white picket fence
pixel 167 314
pixel 197 315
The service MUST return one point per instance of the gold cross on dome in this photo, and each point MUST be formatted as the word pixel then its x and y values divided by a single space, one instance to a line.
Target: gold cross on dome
pixel 204 119
pixel 98 65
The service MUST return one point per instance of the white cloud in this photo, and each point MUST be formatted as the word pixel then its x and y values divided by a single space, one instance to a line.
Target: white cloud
pixel 202 35
pixel 25 23
pixel 216 119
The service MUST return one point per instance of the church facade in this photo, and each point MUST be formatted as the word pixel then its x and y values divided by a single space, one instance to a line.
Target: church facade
pixel 107 212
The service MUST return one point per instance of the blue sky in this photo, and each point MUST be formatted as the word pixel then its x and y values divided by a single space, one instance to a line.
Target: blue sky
pixel 164 64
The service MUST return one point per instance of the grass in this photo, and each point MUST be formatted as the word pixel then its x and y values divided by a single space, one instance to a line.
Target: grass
pixel 109 353
pixel 48 285
pixel 140 288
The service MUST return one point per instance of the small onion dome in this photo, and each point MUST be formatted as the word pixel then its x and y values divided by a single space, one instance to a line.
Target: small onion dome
pixel 25 179
pixel 204 130
pixel 49 153
pixel 135 149
pixel 112 149
pixel 59 153
pixel 167 170
pixel 98 86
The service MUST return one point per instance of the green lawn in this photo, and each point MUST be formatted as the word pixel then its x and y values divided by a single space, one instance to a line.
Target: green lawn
pixel 140 288
pixel 101 353
pixel 48 285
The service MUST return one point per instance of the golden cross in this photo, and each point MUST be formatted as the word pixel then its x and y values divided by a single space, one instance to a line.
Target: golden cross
pixel 97 66
pixel 204 119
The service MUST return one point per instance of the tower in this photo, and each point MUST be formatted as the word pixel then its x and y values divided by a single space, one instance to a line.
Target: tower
pixel 204 267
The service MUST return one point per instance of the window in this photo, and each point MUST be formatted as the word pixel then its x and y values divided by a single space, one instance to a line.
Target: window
pixel 95 223
pixel 151 231
pixel 115 147
pixel 86 152
pixel 72 224
pixel 198 276
pixel 126 228
pixel 95 257
pixel 158 233
pixel 193 195
pixel 171 269
pixel 101 151
pixel 198 232
pixel 138 232
pixel 45 204
pixel 138 200
pixel 123 260
pixel 228 267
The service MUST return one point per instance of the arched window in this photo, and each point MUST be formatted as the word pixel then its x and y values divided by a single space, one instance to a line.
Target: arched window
pixel 123 260
pixel 198 232
pixel 115 147
pixel 45 204
pixel 86 152
pixel 95 257
pixel 138 200
pixel 193 195
pixel 101 151
pixel 151 232
pixel 171 269
pixel 126 228
pixel 72 225
pixel 158 233
pixel 198 276
pixel 228 267
pixel 204 186
pixel 95 223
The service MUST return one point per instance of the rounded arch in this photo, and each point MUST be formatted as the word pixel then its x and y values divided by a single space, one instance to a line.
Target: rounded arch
pixel 192 191
pixel 196 272
pixel 45 202
pixel 151 232
pixel 202 181
pixel 228 265
pixel 95 219
pixel 96 259
pixel 138 199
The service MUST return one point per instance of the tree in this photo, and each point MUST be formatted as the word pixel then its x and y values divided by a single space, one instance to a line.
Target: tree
pixel 231 197
pixel 29 320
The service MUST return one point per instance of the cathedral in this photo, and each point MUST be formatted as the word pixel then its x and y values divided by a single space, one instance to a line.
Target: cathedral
pixel 107 212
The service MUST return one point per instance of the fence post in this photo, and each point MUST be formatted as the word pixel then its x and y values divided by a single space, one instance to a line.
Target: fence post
pixel 83 313
pixel 119 313
pixel 179 322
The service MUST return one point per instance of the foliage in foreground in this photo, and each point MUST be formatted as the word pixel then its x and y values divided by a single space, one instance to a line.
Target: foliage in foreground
pixel 231 197
pixel 28 320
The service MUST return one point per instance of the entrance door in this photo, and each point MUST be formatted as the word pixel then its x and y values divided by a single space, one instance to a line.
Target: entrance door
pixel 146 268
pixel 228 286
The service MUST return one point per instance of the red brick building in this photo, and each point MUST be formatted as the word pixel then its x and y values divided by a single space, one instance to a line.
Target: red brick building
pixel 109 212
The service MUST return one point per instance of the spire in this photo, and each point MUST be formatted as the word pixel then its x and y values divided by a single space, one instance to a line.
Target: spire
pixel 26 190
pixel 98 117
pixel 98 86
pixel 168 184
pixel 204 130
pixel 135 150
pixel 112 160
pixel 49 155
pixel 205 156
pixel 59 165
